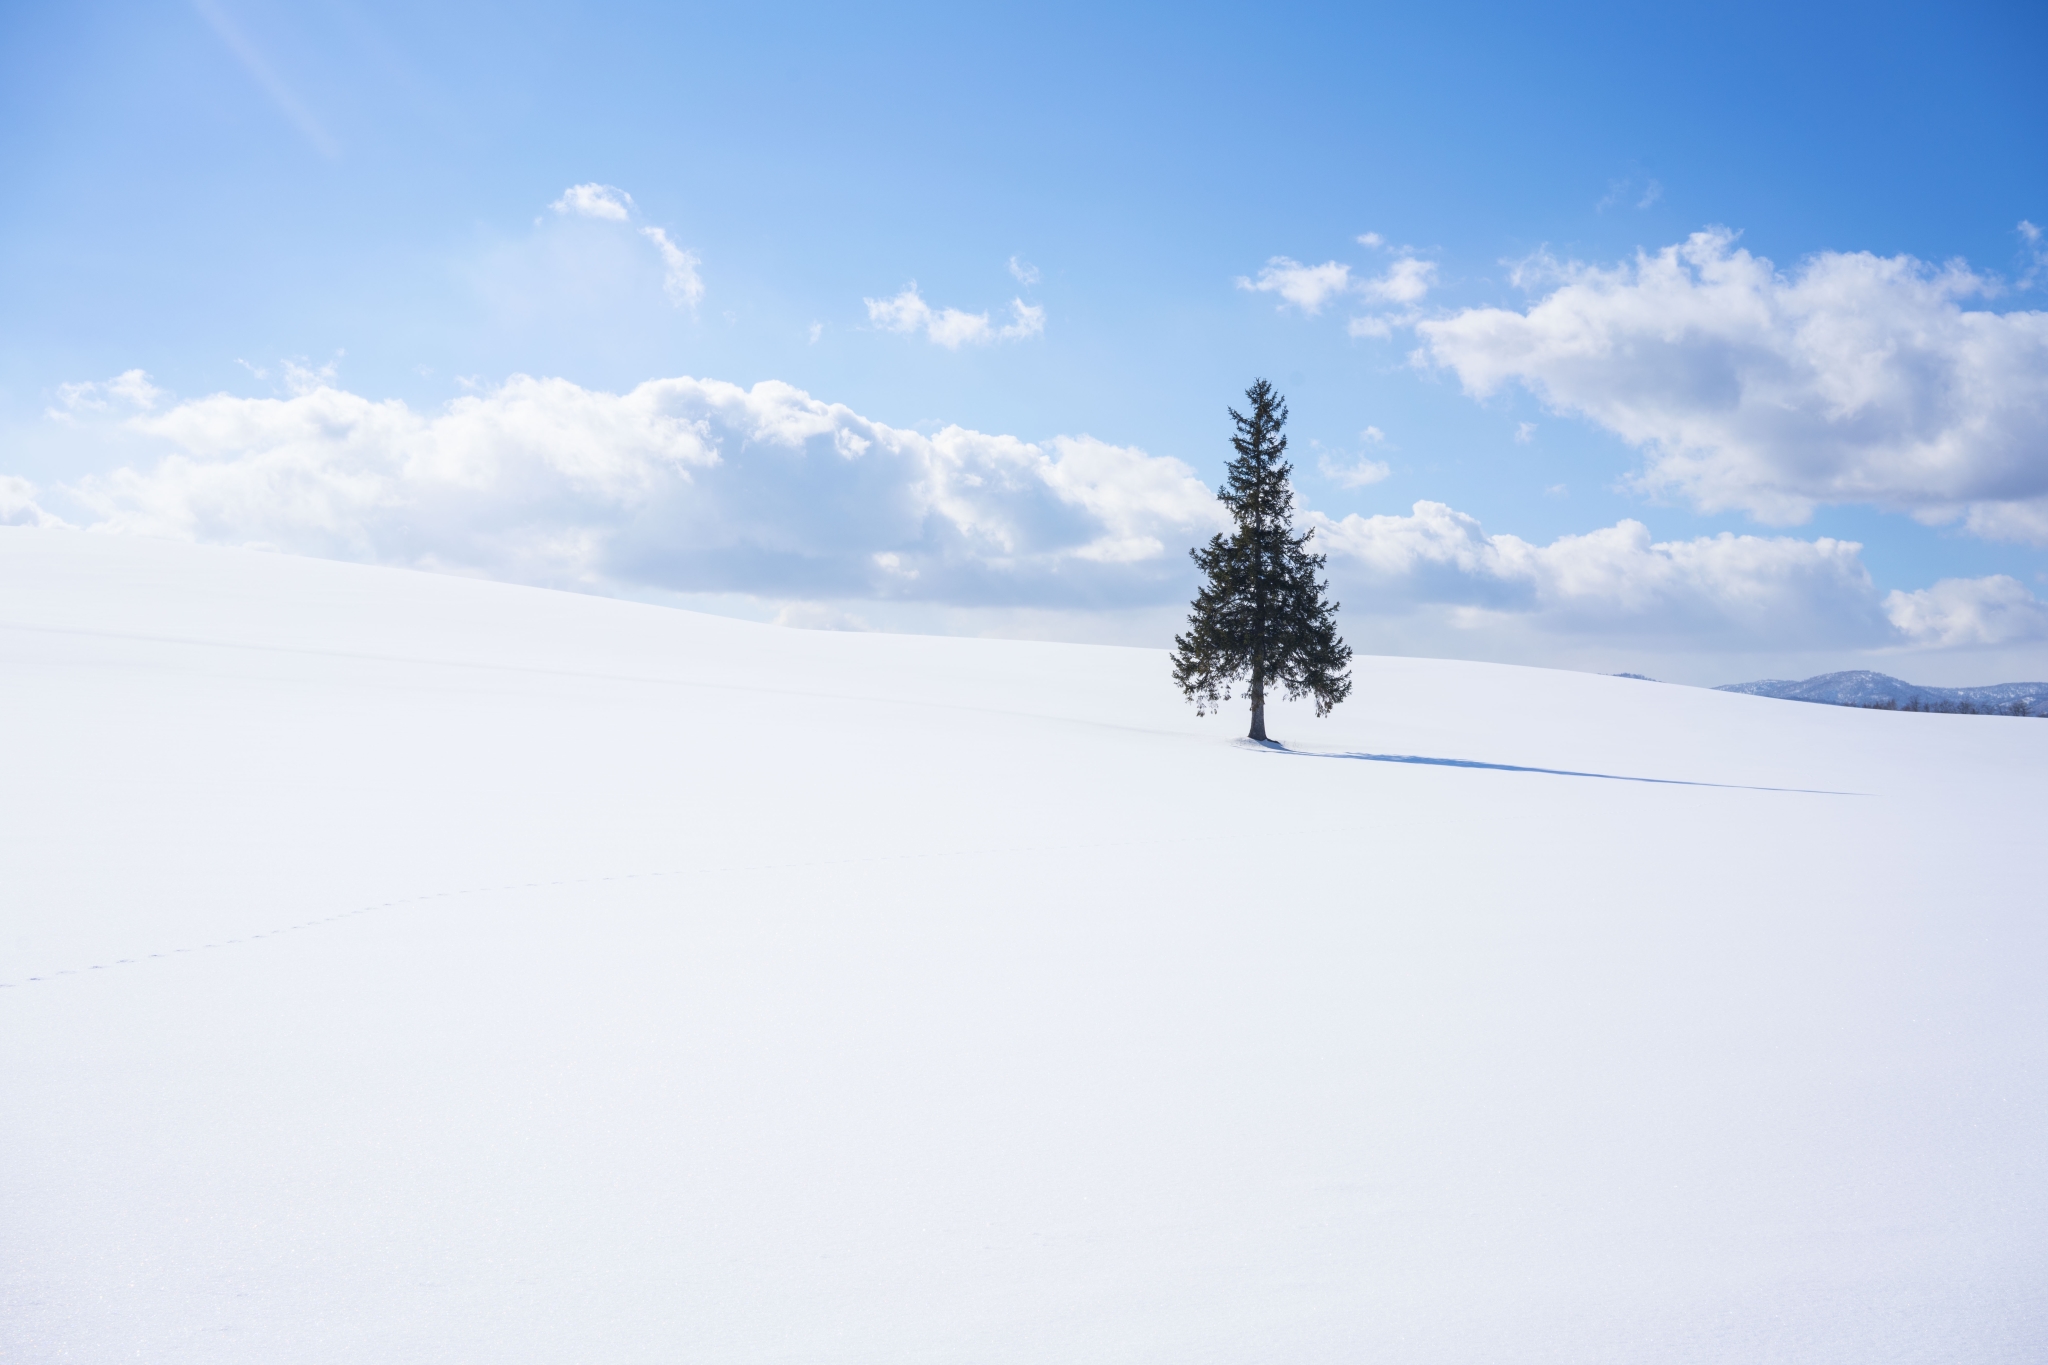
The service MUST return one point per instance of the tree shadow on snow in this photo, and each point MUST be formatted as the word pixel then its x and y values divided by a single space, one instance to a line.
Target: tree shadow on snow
pixel 1274 746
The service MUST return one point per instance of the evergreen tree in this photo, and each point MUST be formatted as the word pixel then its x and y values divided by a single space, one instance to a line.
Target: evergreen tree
pixel 1261 614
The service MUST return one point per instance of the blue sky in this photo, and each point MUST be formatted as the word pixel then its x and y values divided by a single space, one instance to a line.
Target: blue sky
pixel 264 202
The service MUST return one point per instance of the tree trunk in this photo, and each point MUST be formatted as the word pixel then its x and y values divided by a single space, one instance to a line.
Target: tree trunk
pixel 1258 704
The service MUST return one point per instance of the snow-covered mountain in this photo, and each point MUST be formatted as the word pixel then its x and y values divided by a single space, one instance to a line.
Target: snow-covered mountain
pixel 412 968
pixel 1861 687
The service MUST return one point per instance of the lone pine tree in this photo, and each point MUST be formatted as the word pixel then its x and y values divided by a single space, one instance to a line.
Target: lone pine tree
pixel 1261 614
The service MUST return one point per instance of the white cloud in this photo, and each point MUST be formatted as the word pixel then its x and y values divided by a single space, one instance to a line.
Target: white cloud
pixel 817 330
pixel 1651 194
pixel 681 484
pixel 948 327
pixel 1372 239
pixel 1616 580
pixel 130 389
pixel 1023 272
pixel 595 201
pixel 678 269
pixel 1854 379
pixel 301 376
pixel 893 563
pixel 951 327
pixel 1358 474
pixel 1407 280
pixel 133 387
pixel 700 487
pixel 1525 432
pixel 1307 287
pixel 906 312
pixel 1969 611
pixel 1030 321
pixel 1361 472
pixel 18 505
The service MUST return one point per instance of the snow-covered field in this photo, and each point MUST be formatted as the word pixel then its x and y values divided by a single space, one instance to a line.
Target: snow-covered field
pixel 407 968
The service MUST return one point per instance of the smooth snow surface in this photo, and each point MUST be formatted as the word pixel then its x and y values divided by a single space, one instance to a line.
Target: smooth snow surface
pixel 408 968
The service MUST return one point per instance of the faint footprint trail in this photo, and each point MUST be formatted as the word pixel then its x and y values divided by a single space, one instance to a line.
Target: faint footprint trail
pixel 385 905
pixel 721 870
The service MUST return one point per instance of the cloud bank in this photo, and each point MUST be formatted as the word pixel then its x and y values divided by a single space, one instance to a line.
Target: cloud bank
pixel 1712 592
pixel 696 486
pixel 687 484
pixel 1853 378
pixel 1724 589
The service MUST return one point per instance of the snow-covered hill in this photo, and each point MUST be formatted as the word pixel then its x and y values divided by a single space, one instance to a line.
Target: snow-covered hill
pixel 410 968
pixel 1861 687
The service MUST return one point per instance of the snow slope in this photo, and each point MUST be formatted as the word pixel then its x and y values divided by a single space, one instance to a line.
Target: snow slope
pixel 408 968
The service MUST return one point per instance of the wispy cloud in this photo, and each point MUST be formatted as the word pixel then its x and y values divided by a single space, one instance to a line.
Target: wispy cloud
pixel 952 328
pixel 1359 472
pixel 131 391
pixel 678 269
pixel 595 201
pixel 1623 191
pixel 1023 271
pixel 680 278
pixel 265 76
pixel 1407 279
pixel 301 376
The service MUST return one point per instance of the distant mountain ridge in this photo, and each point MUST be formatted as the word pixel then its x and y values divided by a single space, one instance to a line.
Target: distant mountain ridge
pixel 1861 687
